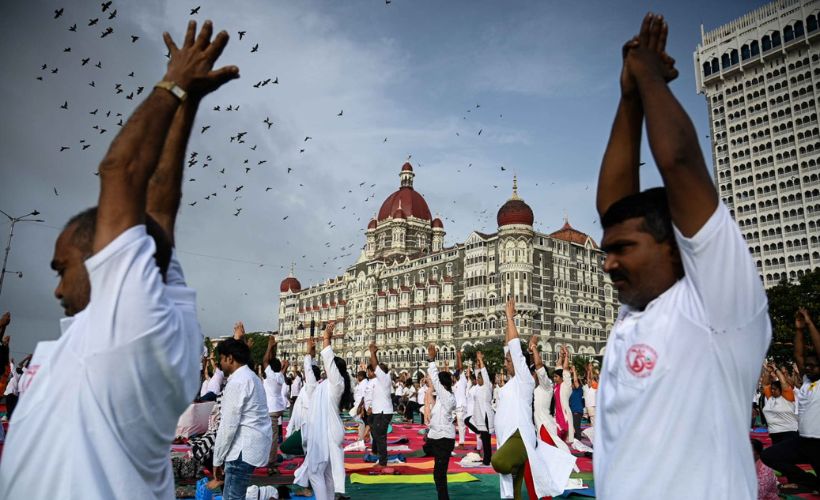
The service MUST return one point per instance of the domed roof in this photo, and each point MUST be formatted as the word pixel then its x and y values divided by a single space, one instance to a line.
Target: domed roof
pixel 437 223
pixel 372 224
pixel 572 235
pixel 399 213
pixel 515 211
pixel 290 284
pixel 406 198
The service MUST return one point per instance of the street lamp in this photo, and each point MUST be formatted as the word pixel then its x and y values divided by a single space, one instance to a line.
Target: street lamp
pixel 15 220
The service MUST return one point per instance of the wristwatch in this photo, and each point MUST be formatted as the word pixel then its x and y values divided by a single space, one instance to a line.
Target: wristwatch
pixel 173 88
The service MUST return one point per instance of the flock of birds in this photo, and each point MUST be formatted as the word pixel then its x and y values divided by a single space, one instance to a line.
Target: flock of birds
pixel 232 177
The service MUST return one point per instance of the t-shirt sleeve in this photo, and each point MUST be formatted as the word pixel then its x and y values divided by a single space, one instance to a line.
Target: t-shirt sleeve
pixel 721 270
pixel 175 276
pixel 128 297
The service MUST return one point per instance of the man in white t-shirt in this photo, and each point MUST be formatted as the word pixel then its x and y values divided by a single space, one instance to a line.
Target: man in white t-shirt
pixel 460 393
pixel 694 311
pixel 805 448
pixel 382 411
pixel 274 382
pixel 295 387
pixel 99 414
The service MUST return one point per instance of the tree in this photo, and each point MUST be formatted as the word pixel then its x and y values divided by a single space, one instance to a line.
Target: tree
pixel 784 299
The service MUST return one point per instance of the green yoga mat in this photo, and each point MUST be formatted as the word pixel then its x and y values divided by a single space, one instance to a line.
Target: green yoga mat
pixel 461 477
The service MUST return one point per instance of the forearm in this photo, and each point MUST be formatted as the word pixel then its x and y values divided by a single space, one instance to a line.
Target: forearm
pixel 620 167
pixel 374 361
pixel 165 186
pixel 814 335
pixel 512 332
pixel 799 348
pixel 129 164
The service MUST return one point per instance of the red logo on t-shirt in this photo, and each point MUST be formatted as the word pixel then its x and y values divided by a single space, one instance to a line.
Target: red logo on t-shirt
pixel 641 359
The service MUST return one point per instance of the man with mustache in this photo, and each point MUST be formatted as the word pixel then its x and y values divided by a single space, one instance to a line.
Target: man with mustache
pixel 694 325
pixel 99 416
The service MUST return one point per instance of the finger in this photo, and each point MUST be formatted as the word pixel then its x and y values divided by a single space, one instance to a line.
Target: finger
pixel 205 33
pixel 631 44
pixel 169 42
pixel 189 35
pixel 654 33
pixel 664 34
pixel 218 45
pixel 643 36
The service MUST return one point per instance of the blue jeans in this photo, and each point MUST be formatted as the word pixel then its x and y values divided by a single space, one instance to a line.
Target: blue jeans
pixel 237 478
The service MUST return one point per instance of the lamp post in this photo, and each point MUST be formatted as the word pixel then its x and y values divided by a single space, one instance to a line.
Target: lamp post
pixel 15 220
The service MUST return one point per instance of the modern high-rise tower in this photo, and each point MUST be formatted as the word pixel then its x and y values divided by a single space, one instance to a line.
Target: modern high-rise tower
pixel 760 75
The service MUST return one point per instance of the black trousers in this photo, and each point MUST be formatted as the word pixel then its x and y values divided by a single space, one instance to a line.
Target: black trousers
pixel 782 436
pixel 441 450
pixel 485 437
pixel 410 410
pixel 11 403
pixel 576 423
pixel 785 455
pixel 378 429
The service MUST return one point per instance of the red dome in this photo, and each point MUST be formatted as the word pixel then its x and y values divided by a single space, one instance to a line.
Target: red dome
pixel 372 224
pixel 399 213
pixel 412 204
pixel 572 235
pixel 515 211
pixel 407 167
pixel 290 284
pixel 437 223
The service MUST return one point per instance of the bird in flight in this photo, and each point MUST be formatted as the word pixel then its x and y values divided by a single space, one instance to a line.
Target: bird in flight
pixel 64 106
pixel 206 127
pixel 195 10
pixel 58 13
pixel 106 5
pixel 56 193
pixel 112 15
pixel 307 138
pixel 92 22
pixel 73 27
pixel 85 61
pixel 134 38
pixel 107 32
pixel 340 113
pixel 192 204
pixel 63 148
pixel 255 48
pixel 267 122
pixel 239 189
pixel 238 210
pixel 242 34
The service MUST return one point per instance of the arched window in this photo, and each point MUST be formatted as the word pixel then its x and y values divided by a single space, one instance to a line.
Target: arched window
pixel 755 48
pixel 745 53
pixel 725 61
pixel 788 34
pixel 811 23
pixel 775 38
pixel 766 42
pixel 715 69
pixel 798 29
pixel 707 69
pixel 733 57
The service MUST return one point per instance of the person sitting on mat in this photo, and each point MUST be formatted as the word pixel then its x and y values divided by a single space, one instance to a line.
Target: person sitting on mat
pixel 515 432
pixel 324 467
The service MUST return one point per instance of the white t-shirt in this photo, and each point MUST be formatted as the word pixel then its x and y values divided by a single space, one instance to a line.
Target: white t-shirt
pixel 780 415
pixel 203 390
pixel 370 385
pixel 460 390
pixel 470 400
pixel 808 408
pixel 98 419
pixel 273 390
pixel 420 395
pixel 215 382
pixel 441 415
pixel 708 332
pixel 295 386
pixel 381 392
pixel 589 396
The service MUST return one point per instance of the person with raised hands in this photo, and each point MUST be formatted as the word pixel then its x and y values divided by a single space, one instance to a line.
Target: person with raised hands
pixel 515 433
pixel 694 312
pixel 542 398
pixel 324 468
pixel 563 389
pixel 779 406
pixel 483 413
pixel 274 382
pixel 441 435
pixel 382 408
pixel 460 392
pixel 295 442
pixel 132 335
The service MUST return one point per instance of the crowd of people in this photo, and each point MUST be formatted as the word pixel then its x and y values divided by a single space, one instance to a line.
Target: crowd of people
pixel 93 414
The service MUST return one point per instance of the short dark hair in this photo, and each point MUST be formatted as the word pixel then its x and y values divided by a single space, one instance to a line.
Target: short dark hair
pixel 559 372
pixel 275 365
pixel 361 374
pixel 446 379
pixel 85 225
pixel 236 349
pixel 383 366
pixel 317 374
pixel 776 384
pixel 652 205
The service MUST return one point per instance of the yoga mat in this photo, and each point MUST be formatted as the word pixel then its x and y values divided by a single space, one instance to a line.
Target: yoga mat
pixel 461 477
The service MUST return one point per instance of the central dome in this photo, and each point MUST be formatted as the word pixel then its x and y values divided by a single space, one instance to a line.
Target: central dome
pixel 407 199
pixel 515 211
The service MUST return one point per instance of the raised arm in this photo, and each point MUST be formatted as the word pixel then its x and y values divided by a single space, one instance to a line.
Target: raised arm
pixel 814 335
pixel 133 155
pixel 565 358
pixel 785 381
pixel 536 353
pixel 374 360
pixel 672 137
pixel 310 378
pixel 432 369
pixel 459 364
pixel 799 344
pixel 165 186
pixel 619 176
pixel 270 352
pixel 5 319
pixel 576 382
pixel 512 332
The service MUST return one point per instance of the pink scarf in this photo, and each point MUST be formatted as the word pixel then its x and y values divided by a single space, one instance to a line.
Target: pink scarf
pixel 559 410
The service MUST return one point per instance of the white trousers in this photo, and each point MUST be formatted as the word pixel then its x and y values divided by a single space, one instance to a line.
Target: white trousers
pixel 322 484
pixel 460 424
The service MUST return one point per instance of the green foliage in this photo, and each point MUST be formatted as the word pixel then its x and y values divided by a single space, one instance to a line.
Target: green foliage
pixel 784 299
pixel 259 345
pixel 493 355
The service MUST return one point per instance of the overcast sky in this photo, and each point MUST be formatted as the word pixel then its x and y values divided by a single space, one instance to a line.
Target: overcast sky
pixel 539 79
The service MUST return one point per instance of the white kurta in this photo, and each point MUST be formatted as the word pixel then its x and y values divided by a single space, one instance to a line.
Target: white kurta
pixel 323 430
pixel 541 409
pixel 301 406
pixel 550 466
pixel 483 404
